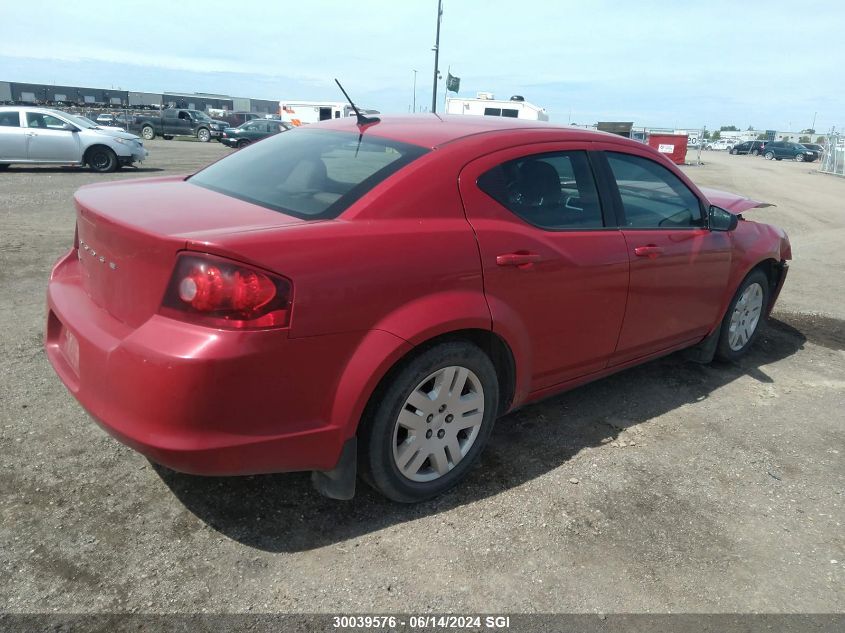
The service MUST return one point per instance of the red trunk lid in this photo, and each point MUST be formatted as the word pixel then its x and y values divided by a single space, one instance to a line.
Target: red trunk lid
pixel 130 232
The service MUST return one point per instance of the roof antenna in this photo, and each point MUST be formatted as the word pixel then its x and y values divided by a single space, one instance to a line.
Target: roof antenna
pixel 362 120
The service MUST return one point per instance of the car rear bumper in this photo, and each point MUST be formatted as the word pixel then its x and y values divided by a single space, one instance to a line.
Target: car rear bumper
pixel 197 399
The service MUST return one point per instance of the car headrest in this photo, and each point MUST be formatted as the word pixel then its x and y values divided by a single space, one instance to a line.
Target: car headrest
pixel 539 184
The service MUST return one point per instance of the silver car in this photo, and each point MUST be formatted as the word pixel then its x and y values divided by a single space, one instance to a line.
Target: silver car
pixel 44 136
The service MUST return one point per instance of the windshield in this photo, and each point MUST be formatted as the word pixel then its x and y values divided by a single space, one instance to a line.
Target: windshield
pixel 200 116
pixel 309 174
pixel 80 121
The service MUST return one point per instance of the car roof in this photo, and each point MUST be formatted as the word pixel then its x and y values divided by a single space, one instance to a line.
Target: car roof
pixel 432 130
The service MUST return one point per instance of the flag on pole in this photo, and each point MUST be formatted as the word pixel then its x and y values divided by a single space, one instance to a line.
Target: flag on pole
pixel 453 84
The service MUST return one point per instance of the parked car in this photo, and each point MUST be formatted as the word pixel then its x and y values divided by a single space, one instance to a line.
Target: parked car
pixel 748 147
pixel 778 150
pixel 105 119
pixel 44 136
pixel 235 119
pixel 720 144
pixel 252 131
pixel 179 122
pixel 818 149
pixel 343 298
pixel 98 125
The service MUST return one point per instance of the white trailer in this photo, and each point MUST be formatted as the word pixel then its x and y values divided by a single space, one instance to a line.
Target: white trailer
pixel 304 112
pixel 485 104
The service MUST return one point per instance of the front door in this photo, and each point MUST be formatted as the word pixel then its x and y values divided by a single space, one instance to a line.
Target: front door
pixel 679 268
pixel 555 267
pixel 48 142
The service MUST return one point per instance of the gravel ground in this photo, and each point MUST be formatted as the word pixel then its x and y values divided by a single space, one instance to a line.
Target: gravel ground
pixel 670 487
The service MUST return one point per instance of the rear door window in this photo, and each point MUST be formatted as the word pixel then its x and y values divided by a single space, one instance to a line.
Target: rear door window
pixel 551 191
pixel 310 174
pixel 10 119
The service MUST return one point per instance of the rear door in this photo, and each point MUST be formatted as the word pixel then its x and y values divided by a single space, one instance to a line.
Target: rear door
pixel 12 136
pixel 555 267
pixel 679 268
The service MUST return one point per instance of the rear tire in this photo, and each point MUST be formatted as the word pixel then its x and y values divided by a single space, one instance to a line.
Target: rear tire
pixel 148 133
pixel 4 166
pixel 769 155
pixel 744 317
pixel 426 426
pixel 102 159
pixel 167 137
pixel 734 152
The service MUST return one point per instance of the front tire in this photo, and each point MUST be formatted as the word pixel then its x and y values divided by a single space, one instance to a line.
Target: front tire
pixel 148 133
pixel 428 424
pixel 203 135
pixel 799 158
pixel 242 143
pixel 167 137
pixel 4 166
pixel 744 317
pixel 102 160
pixel 734 152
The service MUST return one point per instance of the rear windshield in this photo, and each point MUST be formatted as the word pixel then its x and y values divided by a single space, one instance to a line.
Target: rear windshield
pixel 310 174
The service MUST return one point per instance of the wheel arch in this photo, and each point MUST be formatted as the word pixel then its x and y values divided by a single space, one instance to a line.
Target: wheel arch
pixel 381 355
pixel 770 266
pixel 86 155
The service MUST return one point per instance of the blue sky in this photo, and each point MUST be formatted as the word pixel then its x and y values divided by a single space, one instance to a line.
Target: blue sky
pixel 680 63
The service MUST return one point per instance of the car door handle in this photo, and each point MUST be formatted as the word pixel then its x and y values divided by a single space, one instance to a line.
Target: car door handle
pixel 520 259
pixel 651 251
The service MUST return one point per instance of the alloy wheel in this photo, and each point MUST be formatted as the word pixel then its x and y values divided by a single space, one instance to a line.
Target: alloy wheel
pixel 438 424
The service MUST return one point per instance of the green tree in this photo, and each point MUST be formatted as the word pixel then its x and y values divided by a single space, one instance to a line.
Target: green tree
pixel 716 136
pixel 804 139
pixel 729 128
pixel 750 128
pixel 706 135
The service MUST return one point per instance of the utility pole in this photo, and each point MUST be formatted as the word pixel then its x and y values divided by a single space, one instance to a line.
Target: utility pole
pixel 415 91
pixel 436 50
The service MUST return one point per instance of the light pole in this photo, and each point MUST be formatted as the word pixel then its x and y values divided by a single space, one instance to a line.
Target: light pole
pixel 436 50
pixel 415 91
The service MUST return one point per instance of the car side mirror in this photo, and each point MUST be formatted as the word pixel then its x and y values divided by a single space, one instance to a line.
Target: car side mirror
pixel 67 127
pixel 721 220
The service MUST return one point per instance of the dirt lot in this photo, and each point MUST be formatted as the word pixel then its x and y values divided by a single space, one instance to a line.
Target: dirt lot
pixel 701 488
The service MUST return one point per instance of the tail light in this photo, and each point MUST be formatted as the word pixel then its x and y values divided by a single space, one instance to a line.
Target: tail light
pixel 217 292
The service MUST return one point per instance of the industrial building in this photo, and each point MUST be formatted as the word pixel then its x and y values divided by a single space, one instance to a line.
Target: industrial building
pixel 14 93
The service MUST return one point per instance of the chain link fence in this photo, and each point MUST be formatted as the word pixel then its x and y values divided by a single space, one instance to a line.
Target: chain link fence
pixel 833 159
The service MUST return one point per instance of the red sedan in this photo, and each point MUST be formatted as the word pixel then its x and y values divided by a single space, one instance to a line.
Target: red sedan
pixel 369 299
